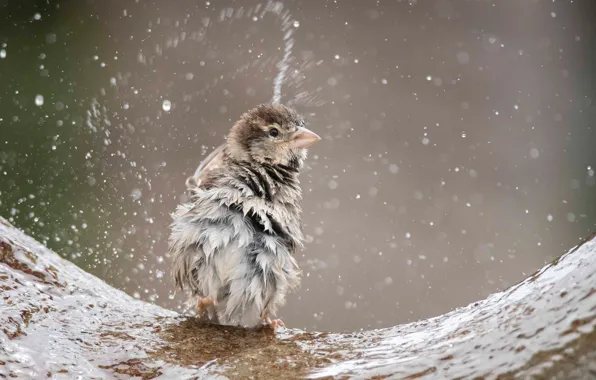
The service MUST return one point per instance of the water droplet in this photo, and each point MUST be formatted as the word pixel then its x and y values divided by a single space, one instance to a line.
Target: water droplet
pixel 2 53
pixel 296 24
pixel 463 58
pixel 51 38
pixel 136 194
pixel 534 153
pixel 166 105
pixel 39 100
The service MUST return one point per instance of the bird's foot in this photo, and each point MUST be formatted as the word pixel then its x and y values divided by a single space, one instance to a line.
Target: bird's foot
pixel 202 304
pixel 273 324
pixel 277 322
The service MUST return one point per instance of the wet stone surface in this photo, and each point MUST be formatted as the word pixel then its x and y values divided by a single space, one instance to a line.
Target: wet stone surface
pixel 56 321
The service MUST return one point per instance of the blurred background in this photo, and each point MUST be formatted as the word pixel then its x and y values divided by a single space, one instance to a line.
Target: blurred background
pixel 458 138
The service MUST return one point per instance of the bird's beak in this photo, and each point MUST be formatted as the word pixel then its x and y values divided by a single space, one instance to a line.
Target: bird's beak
pixel 303 138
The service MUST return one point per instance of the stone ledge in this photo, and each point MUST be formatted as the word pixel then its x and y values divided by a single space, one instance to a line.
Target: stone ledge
pixel 60 322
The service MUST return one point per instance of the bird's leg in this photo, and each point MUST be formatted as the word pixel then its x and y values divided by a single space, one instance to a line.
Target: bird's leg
pixel 202 304
pixel 269 322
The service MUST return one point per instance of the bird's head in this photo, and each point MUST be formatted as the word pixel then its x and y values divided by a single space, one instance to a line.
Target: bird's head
pixel 271 133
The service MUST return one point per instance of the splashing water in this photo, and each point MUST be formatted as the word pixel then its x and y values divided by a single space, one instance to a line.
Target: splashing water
pixel 125 138
pixel 286 26
pixel 97 123
pixel 256 13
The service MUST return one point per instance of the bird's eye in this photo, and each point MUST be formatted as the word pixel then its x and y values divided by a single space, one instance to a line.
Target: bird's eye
pixel 273 132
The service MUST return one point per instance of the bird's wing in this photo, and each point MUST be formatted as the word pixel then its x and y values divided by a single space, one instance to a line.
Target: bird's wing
pixel 213 161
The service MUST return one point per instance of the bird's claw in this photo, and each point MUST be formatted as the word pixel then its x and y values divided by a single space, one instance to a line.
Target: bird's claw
pixel 202 304
pixel 273 324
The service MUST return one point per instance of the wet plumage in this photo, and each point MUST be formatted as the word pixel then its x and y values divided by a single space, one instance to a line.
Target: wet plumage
pixel 233 242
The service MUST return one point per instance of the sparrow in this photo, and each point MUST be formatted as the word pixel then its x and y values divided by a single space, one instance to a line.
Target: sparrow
pixel 233 241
